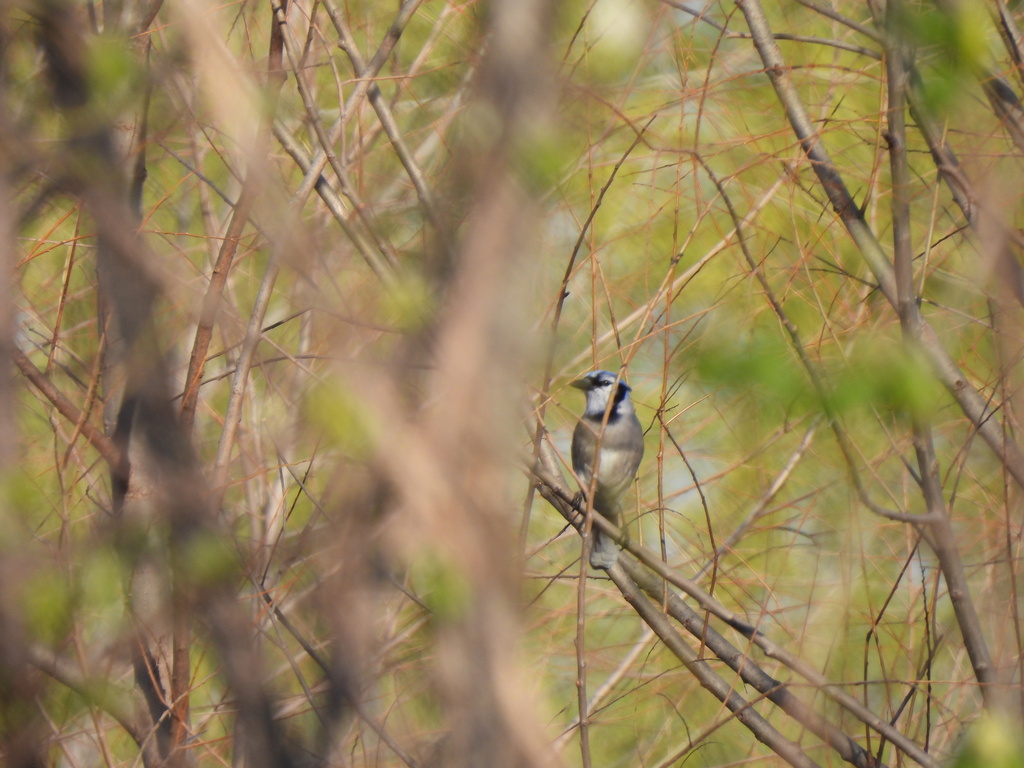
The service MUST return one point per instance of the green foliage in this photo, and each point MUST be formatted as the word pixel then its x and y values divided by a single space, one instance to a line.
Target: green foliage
pixel 409 304
pixel 879 376
pixel 100 583
pixel 443 587
pixel 46 604
pixel 993 741
pixel 114 77
pixel 888 377
pixel 206 561
pixel 760 363
pixel 542 157
pixel 344 419
pixel 952 42
pixel 743 482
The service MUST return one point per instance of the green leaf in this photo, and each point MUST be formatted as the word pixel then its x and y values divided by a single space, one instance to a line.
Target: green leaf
pixel 761 362
pixel 888 377
pixel 443 588
pixel 47 604
pixel 343 416
pixel 992 741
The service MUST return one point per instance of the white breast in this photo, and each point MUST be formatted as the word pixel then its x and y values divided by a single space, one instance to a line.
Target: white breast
pixel 616 464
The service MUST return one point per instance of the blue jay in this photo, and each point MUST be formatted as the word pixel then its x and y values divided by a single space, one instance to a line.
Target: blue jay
pixel 622 447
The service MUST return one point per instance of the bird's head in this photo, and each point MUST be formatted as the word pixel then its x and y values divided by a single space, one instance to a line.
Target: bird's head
pixel 599 386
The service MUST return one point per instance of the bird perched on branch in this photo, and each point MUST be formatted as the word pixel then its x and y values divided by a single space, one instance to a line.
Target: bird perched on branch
pixel 610 450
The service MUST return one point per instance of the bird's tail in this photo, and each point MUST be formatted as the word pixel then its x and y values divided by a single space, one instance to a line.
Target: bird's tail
pixel 605 551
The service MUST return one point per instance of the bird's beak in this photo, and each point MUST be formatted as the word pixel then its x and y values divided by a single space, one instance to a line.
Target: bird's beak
pixel 580 384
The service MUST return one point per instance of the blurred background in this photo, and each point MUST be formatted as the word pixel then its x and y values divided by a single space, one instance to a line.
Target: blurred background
pixel 294 293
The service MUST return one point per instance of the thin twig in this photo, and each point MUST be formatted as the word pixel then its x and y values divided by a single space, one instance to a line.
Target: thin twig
pixel 103 444
pixel 553 489
pixel 943 539
pixel 233 413
pixel 762 503
pixel 973 405
pixel 721 689
pixel 384 113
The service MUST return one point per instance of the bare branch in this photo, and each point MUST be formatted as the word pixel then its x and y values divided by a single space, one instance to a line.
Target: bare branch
pixel 946 370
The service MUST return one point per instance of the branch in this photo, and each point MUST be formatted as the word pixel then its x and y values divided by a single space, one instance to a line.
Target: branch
pixel 973 405
pixel 229 245
pixel 380 106
pixel 720 688
pixel 132 719
pixel 377 261
pixel 385 264
pixel 897 64
pixel 552 488
pixel 103 444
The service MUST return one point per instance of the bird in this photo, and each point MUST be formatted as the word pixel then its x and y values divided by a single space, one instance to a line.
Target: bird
pixel 621 443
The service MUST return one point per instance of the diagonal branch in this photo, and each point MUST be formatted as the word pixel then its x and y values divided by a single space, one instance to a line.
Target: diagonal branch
pixel 380 106
pixel 103 444
pixel 621 574
pixel 973 405
pixel 652 574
